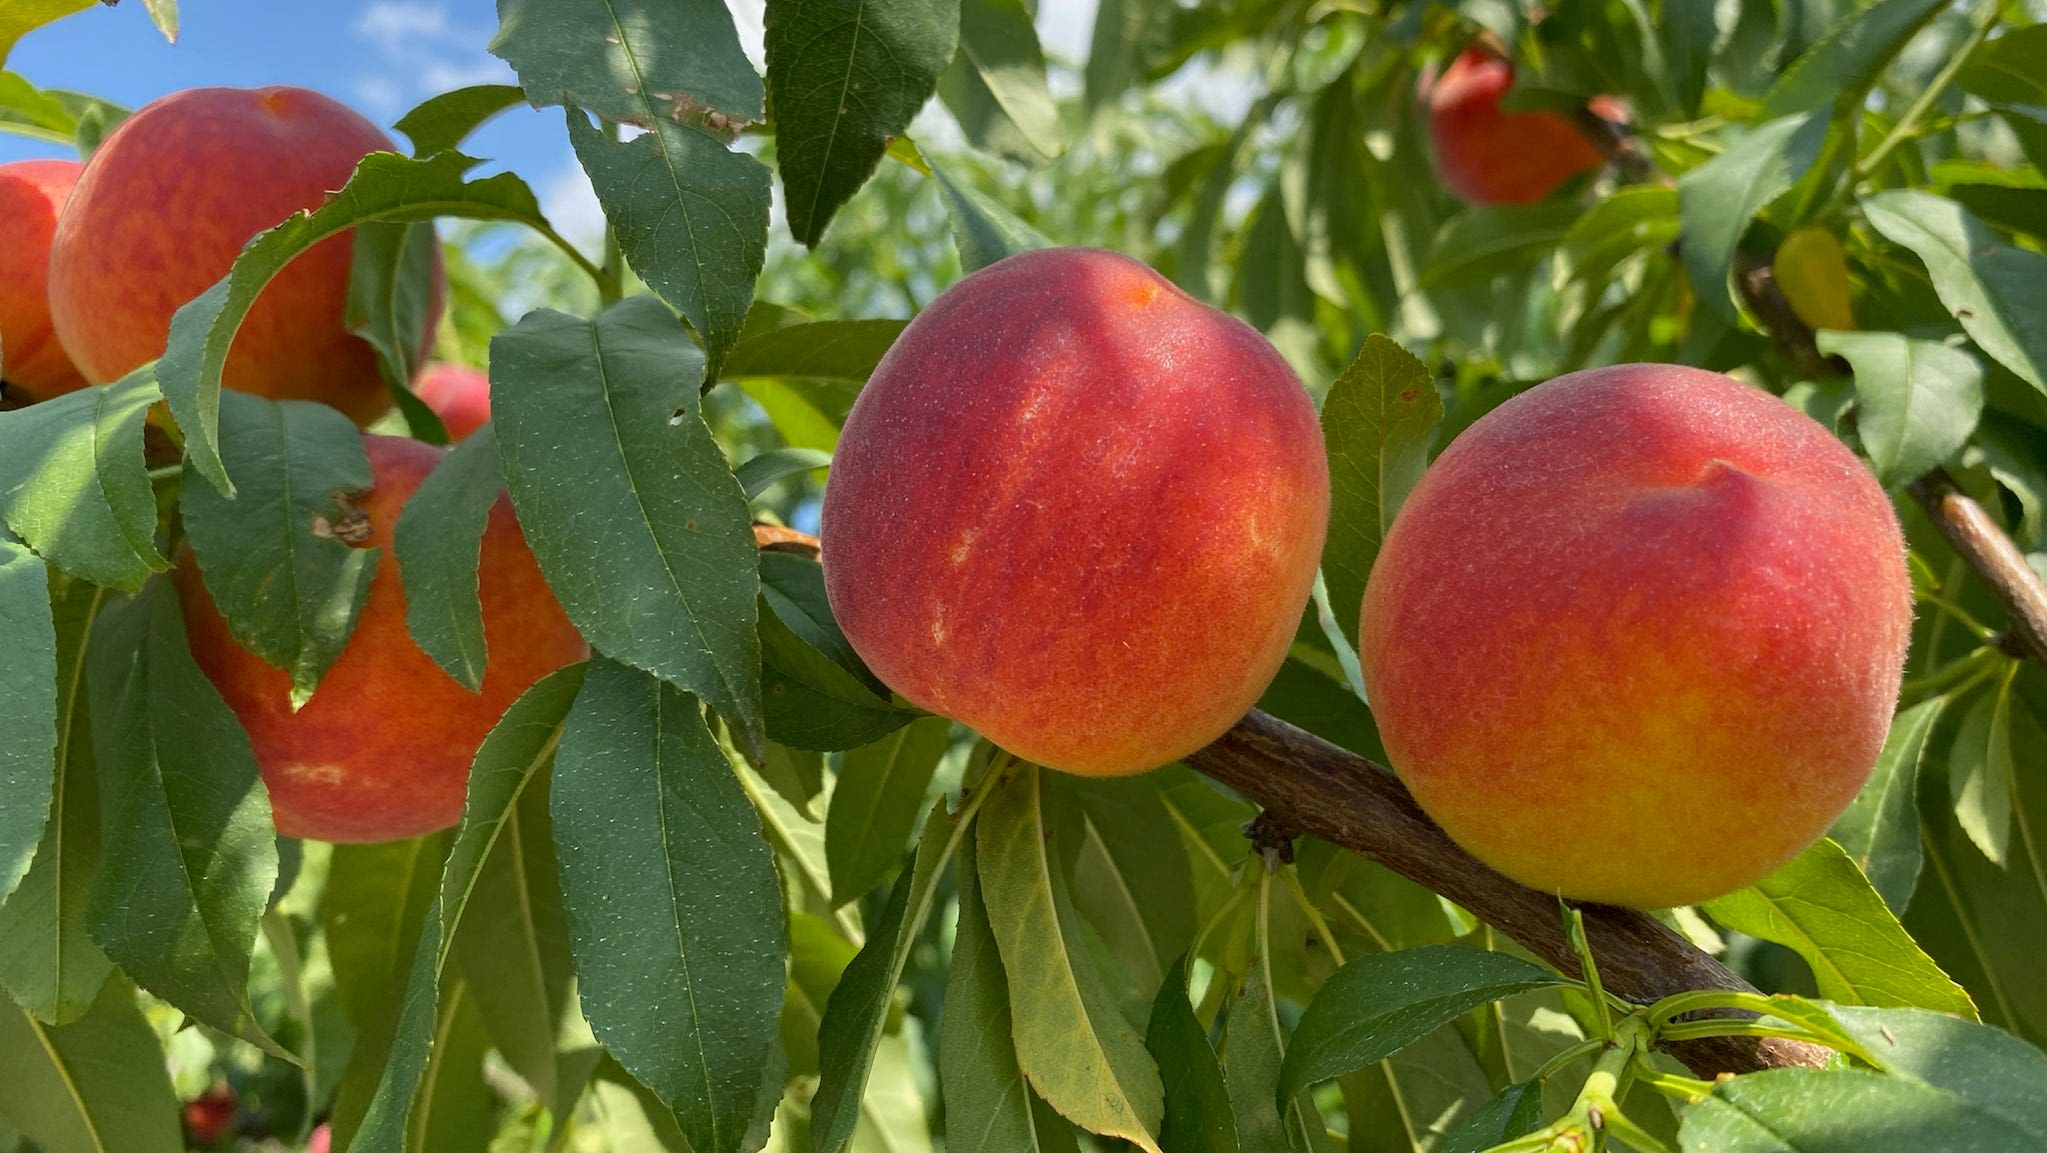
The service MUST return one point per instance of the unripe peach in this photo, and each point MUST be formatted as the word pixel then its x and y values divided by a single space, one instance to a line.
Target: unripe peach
pixel 382 750
pixel 458 394
pixel 166 205
pixel 1486 156
pixel 32 193
pixel 1078 511
pixel 1637 634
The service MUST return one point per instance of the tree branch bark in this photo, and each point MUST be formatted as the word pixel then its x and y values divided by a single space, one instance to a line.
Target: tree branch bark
pixel 1307 785
pixel 1315 787
pixel 1996 559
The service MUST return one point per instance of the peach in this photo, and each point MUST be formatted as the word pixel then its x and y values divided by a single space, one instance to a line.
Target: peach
pixel 1486 156
pixel 382 750
pixel 32 192
pixel 458 394
pixel 1078 511
pixel 165 206
pixel 1637 634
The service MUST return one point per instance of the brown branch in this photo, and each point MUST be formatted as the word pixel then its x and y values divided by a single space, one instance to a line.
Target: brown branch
pixel 1307 785
pixel 1980 542
pixel 1318 788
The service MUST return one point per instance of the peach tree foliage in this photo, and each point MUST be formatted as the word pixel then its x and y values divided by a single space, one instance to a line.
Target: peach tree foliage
pixel 718 890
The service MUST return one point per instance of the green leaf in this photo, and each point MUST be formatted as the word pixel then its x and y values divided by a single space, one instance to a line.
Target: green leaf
pixel 631 61
pixel 760 473
pixel 843 80
pixel 393 298
pixel 1642 218
pixel 458 1110
pixel 2006 70
pixel 996 86
pixel 188 855
pixel 1515 1112
pixel 1917 401
pixel 982 229
pixel 1253 1057
pixel 164 14
pixel 1128 870
pixel 626 499
pixel 1689 31
pixel 818 695
pixel 1199 1118
pixel 1480 244
pixel 26 110
pixel 818 956
pixel 819 350
pixel 1992 289
pixel 97 1085
pixel 512 950
pixel 1821 907
pixel 876 804
pixel 674 909
pixel 1378 422
pixel 1980 774
pixel 691 217
pixel 29 733
pixel 794 588
pixel 288 587
pixel 987 1100
pixel 384 187
pixel 444 121
pixel 1989 1068
pixel 48 964
pixel 518 750
pixel 1079 1052
pixel 73 484
pixel 1380 1003
pixel 372 915
pixel 1842 1111
pixel 859 1005
pixel 1717 200
pixel 1880 828
pixel 20 17
pixel 1839 70
pixel 440 544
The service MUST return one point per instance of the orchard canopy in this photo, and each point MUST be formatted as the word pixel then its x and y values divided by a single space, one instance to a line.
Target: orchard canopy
pixel 999 576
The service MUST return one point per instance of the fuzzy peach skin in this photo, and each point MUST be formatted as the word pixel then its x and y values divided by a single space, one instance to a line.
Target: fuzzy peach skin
pixel 31 194
pixel 1637 635
pixel 458 394
pixel 382 750
pixel 166 205
pixel 1078 511
pixel 1486 156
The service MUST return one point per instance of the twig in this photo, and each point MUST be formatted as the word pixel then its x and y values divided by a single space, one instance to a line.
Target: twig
pixel 1320 789
pixel 1307 785
pixel 1994 556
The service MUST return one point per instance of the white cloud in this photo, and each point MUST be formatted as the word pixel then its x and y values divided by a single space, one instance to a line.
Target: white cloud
pixel 421 50
pixel 393 24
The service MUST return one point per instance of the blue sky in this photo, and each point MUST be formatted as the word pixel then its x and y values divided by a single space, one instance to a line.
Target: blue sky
pixel 379 56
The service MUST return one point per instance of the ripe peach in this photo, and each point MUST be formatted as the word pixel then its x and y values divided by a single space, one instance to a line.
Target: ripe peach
pixel 32 192
pixel 1078 511
pixel 165 206
pixel 458 394
pixel 1486 156
pixel 1637 635
pixel 382 750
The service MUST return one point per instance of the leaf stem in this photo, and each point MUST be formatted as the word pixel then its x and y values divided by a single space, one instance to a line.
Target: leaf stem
pixel 1574 927
pixel 1908 124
